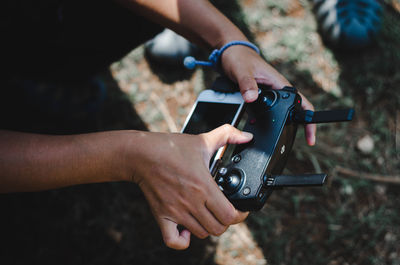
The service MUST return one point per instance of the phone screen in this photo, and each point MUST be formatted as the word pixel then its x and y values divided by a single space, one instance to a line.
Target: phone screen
pixel 208 116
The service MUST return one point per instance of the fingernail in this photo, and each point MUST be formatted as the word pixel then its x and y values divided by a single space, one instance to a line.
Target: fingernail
pixel 247 135
pixel 311 141
pixel 250 95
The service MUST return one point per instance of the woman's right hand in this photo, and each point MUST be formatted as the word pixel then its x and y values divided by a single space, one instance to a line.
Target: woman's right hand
pixel 172 171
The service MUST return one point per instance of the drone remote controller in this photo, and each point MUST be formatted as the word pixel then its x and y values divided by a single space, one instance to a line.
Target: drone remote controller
pixel 248 173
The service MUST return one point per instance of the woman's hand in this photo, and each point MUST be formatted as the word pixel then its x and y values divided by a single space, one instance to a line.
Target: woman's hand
pixel 247 68
pixel 172 171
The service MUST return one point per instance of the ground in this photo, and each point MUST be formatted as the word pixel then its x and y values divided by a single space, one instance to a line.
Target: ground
pixel 353 219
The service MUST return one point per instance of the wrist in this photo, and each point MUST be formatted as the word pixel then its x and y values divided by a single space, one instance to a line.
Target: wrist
pixel 214 60
pixel 111 154
pixel 229 37
pixel 126 155
pixel 136 149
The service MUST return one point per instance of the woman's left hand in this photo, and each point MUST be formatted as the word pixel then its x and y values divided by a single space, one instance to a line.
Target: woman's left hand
pixel 247 68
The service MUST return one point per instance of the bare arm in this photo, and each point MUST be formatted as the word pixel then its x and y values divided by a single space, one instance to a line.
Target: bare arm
pixel 33 162
pixel 197 20
pixel 171 170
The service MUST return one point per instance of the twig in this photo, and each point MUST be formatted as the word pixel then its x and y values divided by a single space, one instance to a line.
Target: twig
pixel 164 111
pixel 362 175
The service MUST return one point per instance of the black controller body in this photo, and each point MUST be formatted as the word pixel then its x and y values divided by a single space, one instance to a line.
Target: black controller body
pixel 269 120
pixel 248 173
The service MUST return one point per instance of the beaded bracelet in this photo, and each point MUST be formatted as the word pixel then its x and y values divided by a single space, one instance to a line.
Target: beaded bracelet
pixel 190 62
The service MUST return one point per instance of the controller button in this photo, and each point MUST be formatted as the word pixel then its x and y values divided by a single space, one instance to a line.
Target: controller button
pixel 246 191
pixel 236 158
pixel 286 95
pixel 220 180
pixel 253 121
pixel 222 171
pixel 265 178
pixel 260 195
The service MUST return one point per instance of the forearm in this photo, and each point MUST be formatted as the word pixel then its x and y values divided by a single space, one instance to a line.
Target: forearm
pixel 32 162
pixel 197 20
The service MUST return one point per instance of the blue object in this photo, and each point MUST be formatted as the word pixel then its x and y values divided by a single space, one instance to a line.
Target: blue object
pixel 190 62
pixel 349 24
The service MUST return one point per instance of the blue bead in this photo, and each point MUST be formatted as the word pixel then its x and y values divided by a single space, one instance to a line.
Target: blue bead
pixel 189 62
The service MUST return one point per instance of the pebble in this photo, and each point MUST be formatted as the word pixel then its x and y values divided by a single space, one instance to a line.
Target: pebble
pixel 366 144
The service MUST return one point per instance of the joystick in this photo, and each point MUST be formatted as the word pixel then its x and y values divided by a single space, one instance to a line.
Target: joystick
pixel 268 98
pixel 247 174
pixel 231 181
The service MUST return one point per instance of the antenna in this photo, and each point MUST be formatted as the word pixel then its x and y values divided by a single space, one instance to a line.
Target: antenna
pixel 308 116
pixel 294 180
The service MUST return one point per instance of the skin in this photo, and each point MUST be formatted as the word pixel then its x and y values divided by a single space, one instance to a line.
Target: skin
pixel 171 169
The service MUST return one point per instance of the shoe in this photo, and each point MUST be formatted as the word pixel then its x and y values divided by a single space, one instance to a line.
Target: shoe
pixel 169 48
pixel 348 24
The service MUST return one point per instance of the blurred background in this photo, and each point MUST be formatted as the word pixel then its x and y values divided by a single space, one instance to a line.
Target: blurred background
pixel 353 219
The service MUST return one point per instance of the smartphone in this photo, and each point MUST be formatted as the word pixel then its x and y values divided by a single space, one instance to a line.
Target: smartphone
pixel 211 110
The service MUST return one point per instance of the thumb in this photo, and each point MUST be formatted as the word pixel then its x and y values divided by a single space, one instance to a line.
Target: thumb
pixel 225 134
pixel 248 88
pixel 171 235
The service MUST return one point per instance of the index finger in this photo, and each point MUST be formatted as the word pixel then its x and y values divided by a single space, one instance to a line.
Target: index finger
pixel 223 210
pixel 171 235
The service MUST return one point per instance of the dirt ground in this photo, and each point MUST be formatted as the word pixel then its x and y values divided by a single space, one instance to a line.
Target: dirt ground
pixel 353 219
